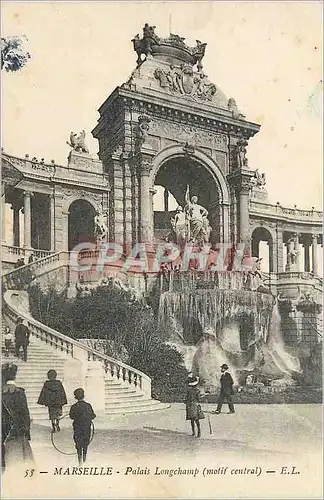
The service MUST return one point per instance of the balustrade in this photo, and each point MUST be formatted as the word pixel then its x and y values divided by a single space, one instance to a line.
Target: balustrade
pixel 291 213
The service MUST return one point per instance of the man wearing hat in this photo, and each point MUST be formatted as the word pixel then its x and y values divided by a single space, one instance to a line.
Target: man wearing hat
pixel 21 338
pixel 226 391
pixel 15 420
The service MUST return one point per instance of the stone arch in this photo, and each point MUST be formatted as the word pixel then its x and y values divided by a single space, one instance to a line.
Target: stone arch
pixel 68 200
pixel 259 234
pixel 218 202
pixel 81 226
pixel 175 151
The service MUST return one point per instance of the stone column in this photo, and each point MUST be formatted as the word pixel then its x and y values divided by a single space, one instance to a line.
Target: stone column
pixel 278 245
pixel 226 223
pixel 244 214
pixel 314 254
pixel 240 179
pixel 166 200
pixel 297 235
pixel 145 207
pixel 3 218
pixel 52 222
pixel 16 225
pixel 27 219
pixel 152 193
pixel 117 196
pixel 306 256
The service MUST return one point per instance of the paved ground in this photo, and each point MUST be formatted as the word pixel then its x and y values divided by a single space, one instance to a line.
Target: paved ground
pixel 255 439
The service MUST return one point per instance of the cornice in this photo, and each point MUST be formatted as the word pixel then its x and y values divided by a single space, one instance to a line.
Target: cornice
pixel 154 104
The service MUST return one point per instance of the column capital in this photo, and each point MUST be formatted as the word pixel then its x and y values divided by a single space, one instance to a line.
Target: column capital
pixel 315 237
pixel 145 167
pixel 16 205
pixel 240 179
pixel 28 193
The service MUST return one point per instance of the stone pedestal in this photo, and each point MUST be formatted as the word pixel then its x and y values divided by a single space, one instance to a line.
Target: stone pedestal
pixel 95 386
pixel 73 378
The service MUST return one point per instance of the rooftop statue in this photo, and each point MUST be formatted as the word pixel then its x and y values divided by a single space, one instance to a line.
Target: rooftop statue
pixel 77 142
pixel 152 44
pixel 259 180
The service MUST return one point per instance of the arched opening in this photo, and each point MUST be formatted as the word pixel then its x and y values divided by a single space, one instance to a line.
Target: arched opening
pixel 262 247
pixel 170 184
pixel 81 223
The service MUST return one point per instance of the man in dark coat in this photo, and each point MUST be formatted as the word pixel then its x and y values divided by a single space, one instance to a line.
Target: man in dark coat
pixel 21 338
pixel 15 420
pixel 226 391
pixel 82 415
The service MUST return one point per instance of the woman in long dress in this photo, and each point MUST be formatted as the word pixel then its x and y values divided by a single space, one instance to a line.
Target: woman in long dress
pixel 193 408
pixel 15 421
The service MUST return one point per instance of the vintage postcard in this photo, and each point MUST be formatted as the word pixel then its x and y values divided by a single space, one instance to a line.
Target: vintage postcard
pixel 162 249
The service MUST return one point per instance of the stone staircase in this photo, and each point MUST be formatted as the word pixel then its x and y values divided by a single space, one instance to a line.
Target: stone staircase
pixel 119 398
pixel 32 374
pixel 126 390
pixel 124 399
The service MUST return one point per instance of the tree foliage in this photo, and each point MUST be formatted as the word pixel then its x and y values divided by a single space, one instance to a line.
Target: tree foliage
pixel 13 55
pixel 127 325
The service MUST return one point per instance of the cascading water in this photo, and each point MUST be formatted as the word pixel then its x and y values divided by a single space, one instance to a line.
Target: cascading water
pixel 224 325
pixel 275 346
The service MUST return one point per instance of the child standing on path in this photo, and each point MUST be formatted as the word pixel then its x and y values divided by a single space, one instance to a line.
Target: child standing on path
pixel 53 396
pixel 82 415
pixel 8 337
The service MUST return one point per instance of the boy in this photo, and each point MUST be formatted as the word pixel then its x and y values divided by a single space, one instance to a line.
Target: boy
pixel 53 396
pixel 8 341
pixel 82 415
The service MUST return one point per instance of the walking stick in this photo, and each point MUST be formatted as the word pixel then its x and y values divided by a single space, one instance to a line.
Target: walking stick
pixel 208 418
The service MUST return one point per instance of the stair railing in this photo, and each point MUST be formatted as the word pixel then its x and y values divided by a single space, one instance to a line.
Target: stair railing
pixel 15 280
pixel 314 328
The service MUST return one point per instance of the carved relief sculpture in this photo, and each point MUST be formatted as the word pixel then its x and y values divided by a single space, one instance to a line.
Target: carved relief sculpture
pixel 242 161
pixel 185 81
pixel 142 129
pixel 101 229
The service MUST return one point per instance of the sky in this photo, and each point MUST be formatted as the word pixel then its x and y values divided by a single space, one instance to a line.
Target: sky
pixel 267 55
